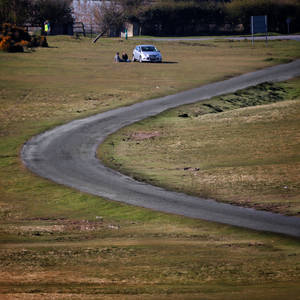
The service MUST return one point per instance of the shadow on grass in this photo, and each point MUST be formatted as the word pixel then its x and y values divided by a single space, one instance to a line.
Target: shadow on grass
pixel 162 62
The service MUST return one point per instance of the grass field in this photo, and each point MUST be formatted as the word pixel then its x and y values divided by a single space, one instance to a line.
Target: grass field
pixel 61 244
pixel 241 148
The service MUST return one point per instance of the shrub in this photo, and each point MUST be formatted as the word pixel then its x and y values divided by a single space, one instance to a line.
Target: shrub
pixel 15 39
pixel 5 43
pixel 38 41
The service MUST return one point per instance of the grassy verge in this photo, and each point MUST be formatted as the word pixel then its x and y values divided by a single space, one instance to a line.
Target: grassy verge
pixel 241 148
pixel 161 258
pixel 56 242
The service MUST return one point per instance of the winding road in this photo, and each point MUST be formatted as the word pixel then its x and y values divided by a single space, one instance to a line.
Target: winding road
pixel 67 155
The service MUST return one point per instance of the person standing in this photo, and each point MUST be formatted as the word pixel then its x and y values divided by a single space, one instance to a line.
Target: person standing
pixel 47 27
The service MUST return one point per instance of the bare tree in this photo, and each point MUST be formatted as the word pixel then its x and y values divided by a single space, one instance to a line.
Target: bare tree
pixel 83 11
pixel 109 16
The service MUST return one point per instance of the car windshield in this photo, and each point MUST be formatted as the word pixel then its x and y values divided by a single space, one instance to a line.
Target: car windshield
pixel 148 49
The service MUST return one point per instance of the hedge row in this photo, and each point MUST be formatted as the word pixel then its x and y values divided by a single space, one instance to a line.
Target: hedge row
pixel 181 18
pixel 192 17
pixel 278 11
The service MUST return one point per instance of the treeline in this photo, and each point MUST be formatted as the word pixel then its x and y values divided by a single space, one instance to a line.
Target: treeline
pixel 200 16
pixel 163 17
pixel 278 11
pixel 19 12
pixel 182 18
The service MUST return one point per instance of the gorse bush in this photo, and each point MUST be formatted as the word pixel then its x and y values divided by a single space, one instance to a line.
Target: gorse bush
pixel 15 39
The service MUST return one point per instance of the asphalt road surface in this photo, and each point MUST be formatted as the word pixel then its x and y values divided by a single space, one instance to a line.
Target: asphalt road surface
pixel 67 155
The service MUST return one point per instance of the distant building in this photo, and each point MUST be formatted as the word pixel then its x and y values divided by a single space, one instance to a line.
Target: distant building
pixel 133 29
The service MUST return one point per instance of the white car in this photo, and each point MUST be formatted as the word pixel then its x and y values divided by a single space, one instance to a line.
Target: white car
pixel 146 53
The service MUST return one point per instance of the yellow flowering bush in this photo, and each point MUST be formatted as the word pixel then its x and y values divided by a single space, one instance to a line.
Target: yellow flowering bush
pixel 5 43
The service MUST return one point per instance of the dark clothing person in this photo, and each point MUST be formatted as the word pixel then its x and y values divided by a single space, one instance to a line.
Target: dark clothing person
pixel 125 57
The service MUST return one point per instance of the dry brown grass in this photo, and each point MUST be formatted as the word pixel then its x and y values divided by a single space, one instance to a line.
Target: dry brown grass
pixel 57 243
pixel 247 156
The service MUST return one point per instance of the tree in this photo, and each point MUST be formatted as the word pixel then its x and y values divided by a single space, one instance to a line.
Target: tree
pixel 109 16
pixel 14 11
pixel 83 11
pixel 131 7
pixel 35 11
pixel 240 11
pixel 56 11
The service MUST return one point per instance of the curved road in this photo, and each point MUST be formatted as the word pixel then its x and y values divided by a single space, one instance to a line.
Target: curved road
pixel 67 155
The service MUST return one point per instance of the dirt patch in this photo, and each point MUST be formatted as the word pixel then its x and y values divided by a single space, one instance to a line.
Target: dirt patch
pixel 63 225
pixel 143 135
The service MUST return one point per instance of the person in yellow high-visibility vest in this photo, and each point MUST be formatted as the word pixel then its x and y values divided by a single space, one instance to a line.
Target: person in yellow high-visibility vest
pixel 47 27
